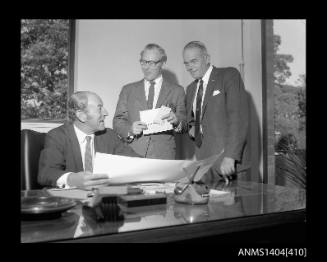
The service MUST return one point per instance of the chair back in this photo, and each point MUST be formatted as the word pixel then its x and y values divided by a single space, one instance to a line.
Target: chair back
pixel 32 143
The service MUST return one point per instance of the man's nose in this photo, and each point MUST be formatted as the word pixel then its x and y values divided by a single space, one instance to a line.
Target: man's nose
pixel 146 66
pixel 104 112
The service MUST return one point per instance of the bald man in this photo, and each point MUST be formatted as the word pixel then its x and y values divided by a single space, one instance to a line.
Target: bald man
pixel 67 158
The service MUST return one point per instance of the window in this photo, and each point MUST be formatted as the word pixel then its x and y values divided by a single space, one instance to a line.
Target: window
pixel 289 102
pixel 46 71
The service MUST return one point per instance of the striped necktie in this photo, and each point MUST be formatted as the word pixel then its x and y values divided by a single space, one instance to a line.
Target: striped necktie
pixel 198 136
pixel 151 95
pixel 88 155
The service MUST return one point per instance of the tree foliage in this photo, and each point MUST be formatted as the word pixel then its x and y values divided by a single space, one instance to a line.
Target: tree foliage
pixel 44 68
pixel 289 121
pixel 290 101
pixel 302 97
pixel 281 69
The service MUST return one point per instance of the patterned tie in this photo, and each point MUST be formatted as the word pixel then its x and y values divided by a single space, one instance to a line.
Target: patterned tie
pixel 88 155
pixel 198 138
pixel 151 95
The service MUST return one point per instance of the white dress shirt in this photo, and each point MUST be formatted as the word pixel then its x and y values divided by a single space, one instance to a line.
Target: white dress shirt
pixel 81 137
pixel 205 79
pixel 157 87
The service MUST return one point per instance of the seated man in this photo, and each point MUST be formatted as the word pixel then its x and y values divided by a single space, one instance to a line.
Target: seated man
pixel 67 158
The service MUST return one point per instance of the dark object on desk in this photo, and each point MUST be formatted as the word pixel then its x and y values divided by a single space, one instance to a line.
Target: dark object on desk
pixel 107 210
pixel 191 193
pixel 97 195
pixel 142 200
pixel 34 217
pixel 32 143
pixel 44 207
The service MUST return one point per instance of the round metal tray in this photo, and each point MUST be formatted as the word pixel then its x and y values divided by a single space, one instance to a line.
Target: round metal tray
pixel 45 204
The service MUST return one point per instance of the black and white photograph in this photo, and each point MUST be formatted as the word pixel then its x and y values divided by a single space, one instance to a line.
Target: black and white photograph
pixel 164 131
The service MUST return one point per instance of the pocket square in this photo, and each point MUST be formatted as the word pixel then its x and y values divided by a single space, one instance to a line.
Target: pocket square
pixel 215 92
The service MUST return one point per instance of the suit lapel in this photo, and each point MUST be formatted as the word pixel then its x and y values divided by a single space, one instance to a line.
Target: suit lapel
pixel 75 147
pixel 191 96
pixel 140 95
pixel 164 92
pixel 212 83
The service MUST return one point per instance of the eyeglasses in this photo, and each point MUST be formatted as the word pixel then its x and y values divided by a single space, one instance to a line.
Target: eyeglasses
pixel 149 63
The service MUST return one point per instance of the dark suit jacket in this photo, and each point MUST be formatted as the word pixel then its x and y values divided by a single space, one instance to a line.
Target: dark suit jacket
pixel 62 154
pixel 132 100
pixel 225 116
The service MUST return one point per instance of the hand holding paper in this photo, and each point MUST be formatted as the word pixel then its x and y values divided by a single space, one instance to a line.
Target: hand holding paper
pixel 171 118
pixel 138 127
pixel 153 120
pixel 87 180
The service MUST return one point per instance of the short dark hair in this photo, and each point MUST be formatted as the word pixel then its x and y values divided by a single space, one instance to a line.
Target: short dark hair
pixel 196 44
pixel 159 48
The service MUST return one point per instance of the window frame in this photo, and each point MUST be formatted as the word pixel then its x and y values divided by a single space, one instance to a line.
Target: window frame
pixel 268 135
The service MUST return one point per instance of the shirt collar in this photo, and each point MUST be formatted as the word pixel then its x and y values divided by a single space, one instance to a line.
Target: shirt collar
pixel 206 76
pixel 81 136
pixel 158 80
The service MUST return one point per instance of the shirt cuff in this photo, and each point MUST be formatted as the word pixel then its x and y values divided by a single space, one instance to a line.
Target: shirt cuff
pixel 62 181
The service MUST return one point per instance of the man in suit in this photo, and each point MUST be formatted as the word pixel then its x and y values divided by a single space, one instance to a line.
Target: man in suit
pixel 151 92
pixel 68 154
pixel 217 112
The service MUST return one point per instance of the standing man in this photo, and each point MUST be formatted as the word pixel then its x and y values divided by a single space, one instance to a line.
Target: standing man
pixel 151 92
pixel 217 112
pixel 67 158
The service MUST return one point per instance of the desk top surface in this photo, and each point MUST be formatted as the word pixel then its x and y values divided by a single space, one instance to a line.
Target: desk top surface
pixel 243 199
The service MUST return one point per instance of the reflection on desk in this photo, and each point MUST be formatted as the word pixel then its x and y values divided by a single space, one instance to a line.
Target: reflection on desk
pixel 247 206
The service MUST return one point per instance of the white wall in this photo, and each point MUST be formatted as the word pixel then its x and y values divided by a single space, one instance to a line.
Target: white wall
pixel 107 51
pixel 107 55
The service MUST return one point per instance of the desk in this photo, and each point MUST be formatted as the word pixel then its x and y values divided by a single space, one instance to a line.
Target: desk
pixel 248 209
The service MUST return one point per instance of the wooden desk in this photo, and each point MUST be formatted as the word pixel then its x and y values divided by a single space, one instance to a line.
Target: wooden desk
pixel 249 212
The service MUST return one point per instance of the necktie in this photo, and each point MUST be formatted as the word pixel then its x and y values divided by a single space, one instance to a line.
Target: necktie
pixel 151 95
pixel 88 155
pixel 198 138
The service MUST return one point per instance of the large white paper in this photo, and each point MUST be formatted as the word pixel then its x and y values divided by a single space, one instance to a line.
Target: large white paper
pixel 123 169
pixel 152 118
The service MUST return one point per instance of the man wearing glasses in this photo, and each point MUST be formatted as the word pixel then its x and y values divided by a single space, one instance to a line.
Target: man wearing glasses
pixel 153 91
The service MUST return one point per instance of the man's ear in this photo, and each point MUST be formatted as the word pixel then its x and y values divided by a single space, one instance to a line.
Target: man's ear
pixel 208 59
pixel 81 116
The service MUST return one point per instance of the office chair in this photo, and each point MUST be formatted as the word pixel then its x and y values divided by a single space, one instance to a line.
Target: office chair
pixel 32 143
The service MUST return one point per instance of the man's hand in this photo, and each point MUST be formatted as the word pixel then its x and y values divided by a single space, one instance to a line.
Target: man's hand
pixel 87 180
pixel 191 132
pixel 227 168
pixel 171 118
pixel 138 127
